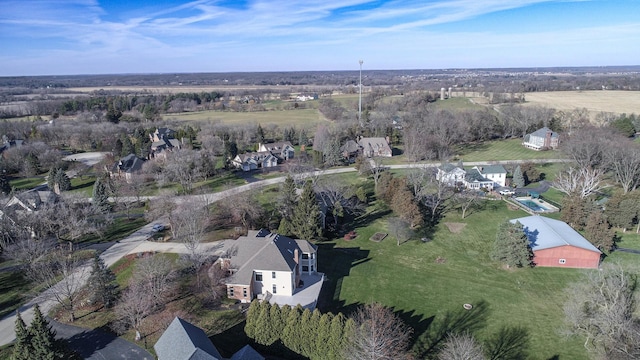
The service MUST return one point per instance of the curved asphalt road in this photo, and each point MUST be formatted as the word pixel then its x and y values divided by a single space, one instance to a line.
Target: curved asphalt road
pixel 124 246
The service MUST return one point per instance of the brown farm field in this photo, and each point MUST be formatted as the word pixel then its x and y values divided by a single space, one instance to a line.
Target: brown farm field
pixel 594 101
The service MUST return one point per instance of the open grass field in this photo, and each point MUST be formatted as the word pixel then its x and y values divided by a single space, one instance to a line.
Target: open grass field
pixel 510 149
pixel 593 100
pixel 300 118
pixel 426 280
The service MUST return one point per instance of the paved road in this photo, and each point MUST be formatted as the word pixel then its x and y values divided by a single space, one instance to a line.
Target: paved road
pixel 127 245
pixel 97 344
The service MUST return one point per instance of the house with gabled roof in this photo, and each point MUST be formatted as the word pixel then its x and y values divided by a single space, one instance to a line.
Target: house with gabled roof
pixel 127 167
pixel 541 139
pixel 495 173
pixel 162 133
pixel 282 150
pixel 373 147
pixel 185 341
pixel 254 160
pixel 556 244
pixel 272 267
pixel 450 174
pixel 473 179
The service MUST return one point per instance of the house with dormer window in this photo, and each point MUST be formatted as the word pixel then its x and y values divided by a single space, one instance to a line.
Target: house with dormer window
pixel 272 267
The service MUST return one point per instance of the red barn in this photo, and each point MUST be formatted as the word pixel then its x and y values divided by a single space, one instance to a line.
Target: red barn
pixel 556 244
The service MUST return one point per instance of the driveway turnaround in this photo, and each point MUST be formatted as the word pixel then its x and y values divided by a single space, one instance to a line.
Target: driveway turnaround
pixel 97 344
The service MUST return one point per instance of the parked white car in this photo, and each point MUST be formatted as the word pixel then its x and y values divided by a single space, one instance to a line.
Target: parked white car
pixel 507 192
pixel 157 227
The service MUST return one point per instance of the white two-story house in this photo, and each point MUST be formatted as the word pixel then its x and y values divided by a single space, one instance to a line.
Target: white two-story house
pixel 495 173
pixel 265 265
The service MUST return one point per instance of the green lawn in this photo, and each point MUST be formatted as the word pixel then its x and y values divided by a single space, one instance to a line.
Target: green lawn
pixel 422 280
pixel 83 185
pixel 511 149
pixel 12 288
pixel 27 183
pixel 457 104
pixel 301 118
pixel 629 240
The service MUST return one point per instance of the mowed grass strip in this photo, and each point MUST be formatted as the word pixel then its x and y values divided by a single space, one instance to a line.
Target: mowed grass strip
pixel 501 150
pixel 300 118
pixel 422 280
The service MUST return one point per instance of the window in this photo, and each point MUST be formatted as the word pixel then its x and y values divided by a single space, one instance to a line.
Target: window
pixel 273 274
pixel 244 292
pixel 305 255
pixel 311 267
pixel 305 268
pixel 230 292
pixel 274 289
pixel 258 276
pixel 562 261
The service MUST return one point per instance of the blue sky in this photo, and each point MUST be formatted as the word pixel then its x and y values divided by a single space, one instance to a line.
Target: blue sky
pixel 56 37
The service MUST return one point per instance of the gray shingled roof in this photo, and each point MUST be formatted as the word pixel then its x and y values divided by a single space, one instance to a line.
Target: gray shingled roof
pixel 543 132
pixel 247 353
pixel 546 233
pixel 130 163
pixel 474 175
pixel 493 169
pixel 183 340
pixel 273 252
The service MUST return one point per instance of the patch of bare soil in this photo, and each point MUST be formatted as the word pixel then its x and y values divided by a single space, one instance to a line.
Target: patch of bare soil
pixel 377 237
pixel 455 228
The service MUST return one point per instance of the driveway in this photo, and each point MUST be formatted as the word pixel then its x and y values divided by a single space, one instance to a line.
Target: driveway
pixel 97 344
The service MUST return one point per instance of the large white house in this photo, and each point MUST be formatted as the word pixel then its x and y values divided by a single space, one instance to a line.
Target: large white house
pixel 495 173
pixel 272 267
pixel 541 139
pixel 478 177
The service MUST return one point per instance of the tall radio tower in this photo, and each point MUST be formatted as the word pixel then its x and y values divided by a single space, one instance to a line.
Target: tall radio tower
pixel 360 98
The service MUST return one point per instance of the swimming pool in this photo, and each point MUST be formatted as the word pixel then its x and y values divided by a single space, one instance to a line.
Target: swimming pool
pixel 532 205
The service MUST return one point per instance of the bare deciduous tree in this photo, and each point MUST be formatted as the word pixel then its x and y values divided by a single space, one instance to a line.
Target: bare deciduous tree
pixel 62 273
pixel 400 229
pixel 580 182
pixel 156 275
pixel 461 347
pixel 133 308
pixel 379 334
pixel 603 310
pixel 623 159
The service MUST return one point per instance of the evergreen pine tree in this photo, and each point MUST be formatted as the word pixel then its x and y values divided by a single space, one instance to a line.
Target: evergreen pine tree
pixel 306 218
pixel 22 347
pixel 287 198
pixel 323 333
pixel 62 180
pixel 276 325
pixel 512 245
pixel 598 231
pixel 335 343
pixel 306 334
pixel 127 146
pixel 290 336
pixel 31 166
pixel 252 315
pixel 5 187
pixel 51 178
pixel 101 196
pixel 518 178
pixel 43 338
pixel 102 283
pixel 263 324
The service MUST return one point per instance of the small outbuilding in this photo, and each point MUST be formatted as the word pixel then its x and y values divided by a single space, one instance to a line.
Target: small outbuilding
pixel 556 244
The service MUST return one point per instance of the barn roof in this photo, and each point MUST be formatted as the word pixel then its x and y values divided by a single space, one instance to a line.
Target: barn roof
pixel 546 233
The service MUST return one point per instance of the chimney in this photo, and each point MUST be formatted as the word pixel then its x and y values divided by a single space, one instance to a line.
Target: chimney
pixel 296 256
pixel 547 139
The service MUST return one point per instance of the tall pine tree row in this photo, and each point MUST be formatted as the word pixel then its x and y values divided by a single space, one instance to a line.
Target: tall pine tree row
pixel 311 334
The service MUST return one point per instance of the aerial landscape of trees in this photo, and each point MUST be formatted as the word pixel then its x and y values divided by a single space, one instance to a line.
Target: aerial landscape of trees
pixel 377 304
